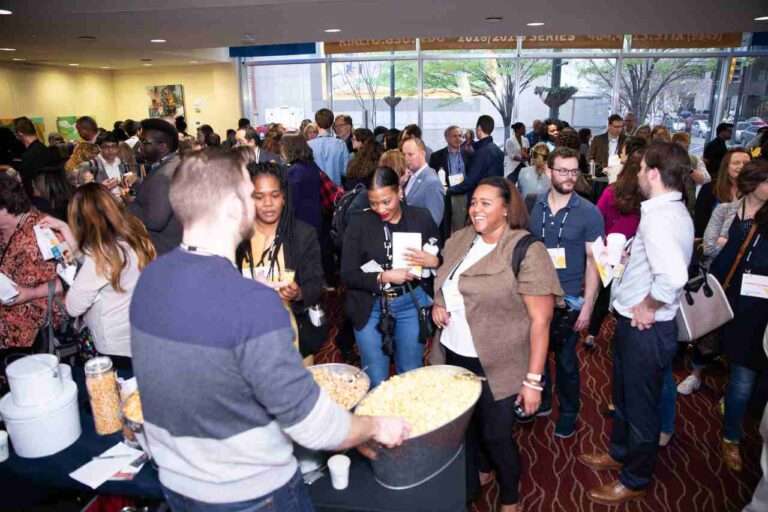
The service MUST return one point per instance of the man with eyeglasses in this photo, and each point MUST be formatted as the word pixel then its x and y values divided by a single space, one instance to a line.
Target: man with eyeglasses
pixel 342 125
pixel 567 224
pixel 158 146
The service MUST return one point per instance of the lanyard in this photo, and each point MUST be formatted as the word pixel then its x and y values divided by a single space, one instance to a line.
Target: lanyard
pixel 749 254
pixel 388 245
pixel 562 224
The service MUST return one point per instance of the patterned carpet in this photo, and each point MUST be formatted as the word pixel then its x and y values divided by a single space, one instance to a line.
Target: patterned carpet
pixel 690 475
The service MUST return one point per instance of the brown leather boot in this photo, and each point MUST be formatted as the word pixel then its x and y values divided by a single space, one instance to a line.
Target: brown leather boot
pixel 614 493
pixel 599 461
pixel 732 456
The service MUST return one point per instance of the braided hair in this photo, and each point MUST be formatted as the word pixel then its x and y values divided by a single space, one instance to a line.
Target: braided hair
pixel 284 236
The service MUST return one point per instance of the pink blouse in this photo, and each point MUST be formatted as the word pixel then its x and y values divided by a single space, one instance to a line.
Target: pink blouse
pixel 615 221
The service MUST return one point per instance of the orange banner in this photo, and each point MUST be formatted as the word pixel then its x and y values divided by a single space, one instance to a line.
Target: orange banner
pixel 569 41
pixel 370 45
pixel 652 41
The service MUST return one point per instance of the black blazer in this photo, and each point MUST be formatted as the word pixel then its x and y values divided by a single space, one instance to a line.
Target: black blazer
pixel 440 159
pixel 302 254
pixel 364 241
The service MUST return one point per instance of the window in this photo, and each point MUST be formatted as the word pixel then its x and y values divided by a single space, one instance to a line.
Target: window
pixel 374 93
pixel 286 94
pixel 746 97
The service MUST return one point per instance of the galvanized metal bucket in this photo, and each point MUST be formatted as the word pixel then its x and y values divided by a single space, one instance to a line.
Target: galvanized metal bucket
pixel 421 458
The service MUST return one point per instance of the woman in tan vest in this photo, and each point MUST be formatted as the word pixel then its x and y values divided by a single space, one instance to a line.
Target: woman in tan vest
pixel 496 323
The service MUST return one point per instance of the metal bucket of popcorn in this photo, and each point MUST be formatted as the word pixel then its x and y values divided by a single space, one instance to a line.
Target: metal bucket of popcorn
pixel 438 402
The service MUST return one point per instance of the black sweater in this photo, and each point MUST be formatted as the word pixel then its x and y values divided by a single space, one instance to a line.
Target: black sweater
pixel 363 242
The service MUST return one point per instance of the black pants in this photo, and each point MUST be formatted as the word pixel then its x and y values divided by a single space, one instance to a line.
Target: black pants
pixel 602 305
pixel 640 359
pixel 490 435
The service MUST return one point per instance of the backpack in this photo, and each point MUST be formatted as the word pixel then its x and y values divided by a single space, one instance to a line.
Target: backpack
pixel 341 211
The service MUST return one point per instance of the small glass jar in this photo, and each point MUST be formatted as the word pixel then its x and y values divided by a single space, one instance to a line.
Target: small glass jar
pixel 104 394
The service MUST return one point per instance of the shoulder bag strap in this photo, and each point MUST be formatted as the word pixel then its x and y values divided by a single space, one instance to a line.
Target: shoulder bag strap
pixel 739 256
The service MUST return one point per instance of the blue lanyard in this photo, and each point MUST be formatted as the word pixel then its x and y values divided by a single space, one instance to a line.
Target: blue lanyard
pixel 562 224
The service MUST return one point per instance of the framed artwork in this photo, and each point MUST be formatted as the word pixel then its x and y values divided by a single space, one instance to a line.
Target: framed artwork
pixel 166 101
pixel 66 127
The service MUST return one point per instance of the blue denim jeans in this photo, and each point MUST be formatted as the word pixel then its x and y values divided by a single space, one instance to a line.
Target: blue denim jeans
pixel 567 373
pixel 292 497
pixel 741 382
pixel 668 402
pixel 409 353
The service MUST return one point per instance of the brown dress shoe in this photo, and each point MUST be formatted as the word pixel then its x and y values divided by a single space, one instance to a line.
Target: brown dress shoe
pixel 614 493
pixel 732 456
pixel 599 461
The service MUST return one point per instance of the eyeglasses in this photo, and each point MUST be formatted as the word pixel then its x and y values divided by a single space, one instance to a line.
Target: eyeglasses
pixel 565 172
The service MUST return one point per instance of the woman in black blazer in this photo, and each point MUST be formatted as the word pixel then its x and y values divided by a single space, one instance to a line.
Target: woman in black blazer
pixel 281 244
pixel 372 283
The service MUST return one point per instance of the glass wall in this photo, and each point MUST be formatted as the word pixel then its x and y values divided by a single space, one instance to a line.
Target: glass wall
pixel 376 93
pixel 687 90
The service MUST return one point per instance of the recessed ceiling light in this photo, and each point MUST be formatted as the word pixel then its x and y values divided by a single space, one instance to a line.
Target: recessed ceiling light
pixel 5 12
pixel 193 62
pixel 147 64
pixel 158 41
pixel 494 19
pixel 7 49
pixel 761 18
pixel 18 60
pixel 105 67
pixel 535 24
pixel 332 30
pixel 74 65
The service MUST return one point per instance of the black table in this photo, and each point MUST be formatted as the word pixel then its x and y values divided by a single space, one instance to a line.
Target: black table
pixel 29 479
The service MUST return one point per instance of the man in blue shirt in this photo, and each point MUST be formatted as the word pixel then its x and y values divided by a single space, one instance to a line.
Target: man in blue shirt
pixel 567 224
pixel 330 153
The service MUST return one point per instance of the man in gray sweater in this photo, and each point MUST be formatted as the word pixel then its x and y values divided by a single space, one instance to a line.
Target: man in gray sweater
pixel 224 392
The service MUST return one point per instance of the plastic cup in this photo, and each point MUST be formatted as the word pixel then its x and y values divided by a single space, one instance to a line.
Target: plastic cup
pixel 615 245
pixel 3 445
pixel 65 372
pixel 338 465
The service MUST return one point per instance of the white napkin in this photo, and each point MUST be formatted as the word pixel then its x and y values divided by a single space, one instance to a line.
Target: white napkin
pixel 99 470
pixel 8 290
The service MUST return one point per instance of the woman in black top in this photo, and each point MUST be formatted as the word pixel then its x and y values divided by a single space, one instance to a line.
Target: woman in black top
pixel 378 284
pixel 743 336
pixel 283 243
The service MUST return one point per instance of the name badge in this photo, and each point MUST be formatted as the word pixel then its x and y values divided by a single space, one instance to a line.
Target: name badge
pixel 455 179
pixel 754 285
pixel 558 257
pixel 453 299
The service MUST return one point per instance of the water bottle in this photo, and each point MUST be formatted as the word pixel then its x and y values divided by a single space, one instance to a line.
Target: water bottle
pixel 441 176
pixel 592 168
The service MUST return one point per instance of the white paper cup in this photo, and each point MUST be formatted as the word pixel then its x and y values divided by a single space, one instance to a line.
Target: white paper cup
pixel 615 246
pixel 65 372
pixel 3 445
pixel 338 465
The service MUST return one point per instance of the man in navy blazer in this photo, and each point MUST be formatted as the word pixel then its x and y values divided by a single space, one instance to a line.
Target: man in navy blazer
pixel 423 188
pixel 488 159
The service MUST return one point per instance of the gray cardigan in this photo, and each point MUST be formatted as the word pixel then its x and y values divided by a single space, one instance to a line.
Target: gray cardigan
pixel 718 226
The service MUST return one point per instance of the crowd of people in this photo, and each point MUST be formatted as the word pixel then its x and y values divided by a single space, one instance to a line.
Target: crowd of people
pixel 203 264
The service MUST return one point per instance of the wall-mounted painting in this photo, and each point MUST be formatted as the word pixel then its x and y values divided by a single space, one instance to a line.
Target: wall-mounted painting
pixel 66 127
pixel 166 101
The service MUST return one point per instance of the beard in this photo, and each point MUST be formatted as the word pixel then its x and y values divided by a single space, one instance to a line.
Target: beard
pixel 562 190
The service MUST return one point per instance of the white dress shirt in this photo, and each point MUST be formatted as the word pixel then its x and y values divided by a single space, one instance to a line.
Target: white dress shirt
pixel 660 254
pixel 613 146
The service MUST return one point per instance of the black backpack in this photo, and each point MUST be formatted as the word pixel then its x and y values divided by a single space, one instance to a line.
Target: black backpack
pixel 341 211
pixel 520 250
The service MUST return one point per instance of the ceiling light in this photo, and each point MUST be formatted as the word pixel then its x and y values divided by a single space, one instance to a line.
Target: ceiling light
pixel 494 19
pixel 332 30
pixel 761 18
pixel 7 49
pixel 147 64
pixel 74 65
pixel 18 60
pixel 535 24
pixel 105 67
pixel 5 12
pixel 158 41
pixel 193 62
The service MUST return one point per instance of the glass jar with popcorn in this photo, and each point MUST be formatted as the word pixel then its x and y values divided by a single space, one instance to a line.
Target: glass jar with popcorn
pixel 104 395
